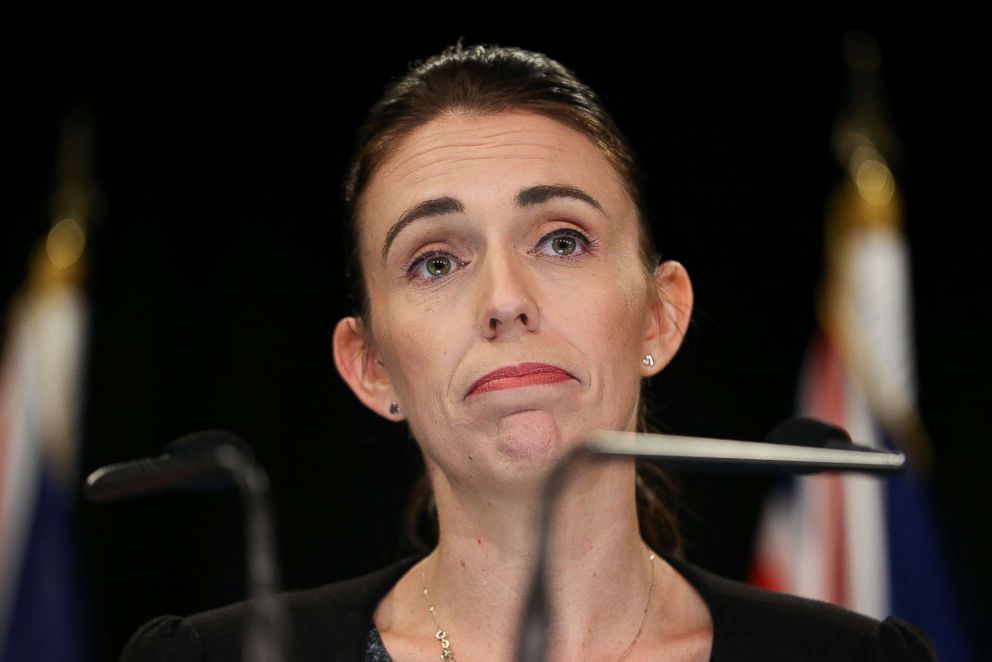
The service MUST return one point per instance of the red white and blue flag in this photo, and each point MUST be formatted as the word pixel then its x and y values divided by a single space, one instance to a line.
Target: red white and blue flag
pixel 865 543
pixel 41 614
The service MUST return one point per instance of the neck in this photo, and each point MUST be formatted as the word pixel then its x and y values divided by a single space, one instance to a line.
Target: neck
pixel 598 578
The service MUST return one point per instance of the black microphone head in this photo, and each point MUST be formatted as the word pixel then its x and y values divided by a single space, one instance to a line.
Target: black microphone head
pixel 205 460
pixel 803 431
pixel 208 440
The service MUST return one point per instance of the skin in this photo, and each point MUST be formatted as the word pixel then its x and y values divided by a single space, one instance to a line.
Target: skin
pixel 503 292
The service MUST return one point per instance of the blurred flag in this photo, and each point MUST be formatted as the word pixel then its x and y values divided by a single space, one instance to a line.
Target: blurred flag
pixel 864 543
pixel 41 368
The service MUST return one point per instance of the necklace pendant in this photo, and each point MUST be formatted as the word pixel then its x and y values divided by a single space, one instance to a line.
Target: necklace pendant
pixel 442 637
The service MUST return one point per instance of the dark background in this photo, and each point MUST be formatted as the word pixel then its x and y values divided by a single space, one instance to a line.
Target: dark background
pixel 215 276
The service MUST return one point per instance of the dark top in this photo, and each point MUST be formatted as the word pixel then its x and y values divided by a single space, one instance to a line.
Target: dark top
pixel 334 622
pixel 375 650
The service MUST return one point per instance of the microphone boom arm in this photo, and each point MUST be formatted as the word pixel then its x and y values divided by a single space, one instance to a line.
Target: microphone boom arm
pixel 690 452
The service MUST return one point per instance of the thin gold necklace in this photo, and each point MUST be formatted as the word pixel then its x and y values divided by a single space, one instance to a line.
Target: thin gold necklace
pixel 442 635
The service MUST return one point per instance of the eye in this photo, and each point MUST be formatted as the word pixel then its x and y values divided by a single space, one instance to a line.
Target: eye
pixel 438 266
pixel 432 265
pixel 566 242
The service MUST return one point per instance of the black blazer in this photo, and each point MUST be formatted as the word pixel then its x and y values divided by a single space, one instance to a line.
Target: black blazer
pixel 331 623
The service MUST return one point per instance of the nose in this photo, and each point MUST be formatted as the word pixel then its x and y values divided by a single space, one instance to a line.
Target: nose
pixel 507 306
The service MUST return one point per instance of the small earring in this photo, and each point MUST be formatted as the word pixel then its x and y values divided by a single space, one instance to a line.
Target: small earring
pixel 648 360
pixel 394 408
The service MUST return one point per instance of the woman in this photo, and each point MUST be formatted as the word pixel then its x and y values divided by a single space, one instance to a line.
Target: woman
pixel 510 301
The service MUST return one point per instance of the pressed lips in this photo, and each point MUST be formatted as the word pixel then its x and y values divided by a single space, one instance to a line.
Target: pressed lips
pixel 525 374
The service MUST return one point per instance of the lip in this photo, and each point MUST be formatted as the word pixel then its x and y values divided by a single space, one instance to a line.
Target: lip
pixel 515 376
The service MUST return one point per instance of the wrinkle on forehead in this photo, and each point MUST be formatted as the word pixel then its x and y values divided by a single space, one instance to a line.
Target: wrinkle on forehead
pixel 431 171
pixel 437 144
pixel 489 142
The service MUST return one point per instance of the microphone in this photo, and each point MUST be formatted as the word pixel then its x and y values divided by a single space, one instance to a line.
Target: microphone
pixel 206 460
pixel 804 431
pixel 796 445
pixel 198 461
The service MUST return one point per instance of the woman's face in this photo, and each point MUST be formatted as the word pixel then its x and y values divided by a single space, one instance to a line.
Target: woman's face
pixel 493 241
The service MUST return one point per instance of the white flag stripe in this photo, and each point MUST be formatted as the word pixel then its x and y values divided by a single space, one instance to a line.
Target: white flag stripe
pixel 866 525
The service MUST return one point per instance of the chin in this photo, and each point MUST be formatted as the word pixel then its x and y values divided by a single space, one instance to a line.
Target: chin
pixel 528 436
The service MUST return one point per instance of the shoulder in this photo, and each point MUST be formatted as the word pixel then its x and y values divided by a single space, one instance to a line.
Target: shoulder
pixel 777 626
pixel 328 620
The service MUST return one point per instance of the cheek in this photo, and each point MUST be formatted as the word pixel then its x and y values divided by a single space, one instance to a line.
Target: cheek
pixel 418 341
pixel 613 333
pixel 611 318
pixel 627 293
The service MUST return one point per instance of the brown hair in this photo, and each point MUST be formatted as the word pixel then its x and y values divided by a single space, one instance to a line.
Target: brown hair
pixel 490 79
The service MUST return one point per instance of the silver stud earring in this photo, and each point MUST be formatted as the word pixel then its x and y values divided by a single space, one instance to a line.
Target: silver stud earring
pixel 648 360
pixel 394 408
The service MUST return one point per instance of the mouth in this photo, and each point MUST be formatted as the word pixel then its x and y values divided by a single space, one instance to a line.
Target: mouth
pixel 525 374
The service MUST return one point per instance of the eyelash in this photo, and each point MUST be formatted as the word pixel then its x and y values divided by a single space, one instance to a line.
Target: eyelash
pixel 588 243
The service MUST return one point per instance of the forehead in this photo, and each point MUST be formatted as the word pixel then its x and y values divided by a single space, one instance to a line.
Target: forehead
pixel 484 160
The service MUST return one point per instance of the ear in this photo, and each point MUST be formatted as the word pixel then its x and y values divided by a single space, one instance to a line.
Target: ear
pixel 360 367
pixel 668 315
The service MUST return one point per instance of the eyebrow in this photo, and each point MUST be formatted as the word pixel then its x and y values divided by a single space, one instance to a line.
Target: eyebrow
pixel 446 205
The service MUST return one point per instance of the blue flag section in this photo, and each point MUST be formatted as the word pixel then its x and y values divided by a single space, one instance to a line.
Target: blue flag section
pixel 923 588
pixel 46 616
